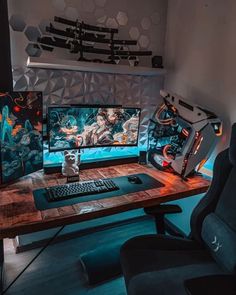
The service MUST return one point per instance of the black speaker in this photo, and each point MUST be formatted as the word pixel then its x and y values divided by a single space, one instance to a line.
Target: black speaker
pixel 157 61
pixel 142 157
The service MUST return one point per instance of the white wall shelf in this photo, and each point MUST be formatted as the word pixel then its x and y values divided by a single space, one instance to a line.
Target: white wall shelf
pixel 71 65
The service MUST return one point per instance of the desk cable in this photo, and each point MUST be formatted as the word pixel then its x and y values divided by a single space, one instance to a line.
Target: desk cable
pixel 35 257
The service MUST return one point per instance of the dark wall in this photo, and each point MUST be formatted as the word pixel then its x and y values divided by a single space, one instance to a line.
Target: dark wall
pixel 5 52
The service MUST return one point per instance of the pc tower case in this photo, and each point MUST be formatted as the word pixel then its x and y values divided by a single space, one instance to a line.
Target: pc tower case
pixel 181 135
pixel 21 145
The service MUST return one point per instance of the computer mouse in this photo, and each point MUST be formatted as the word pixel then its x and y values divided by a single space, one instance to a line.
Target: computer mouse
pixel 134 179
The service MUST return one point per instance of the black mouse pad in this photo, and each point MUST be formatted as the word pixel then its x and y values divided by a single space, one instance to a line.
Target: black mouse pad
pixel 125 187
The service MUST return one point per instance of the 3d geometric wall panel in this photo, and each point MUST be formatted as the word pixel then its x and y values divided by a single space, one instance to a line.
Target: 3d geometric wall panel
pixel 69 87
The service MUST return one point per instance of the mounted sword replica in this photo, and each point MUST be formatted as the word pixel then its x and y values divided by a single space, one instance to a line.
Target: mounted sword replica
pixel 80 38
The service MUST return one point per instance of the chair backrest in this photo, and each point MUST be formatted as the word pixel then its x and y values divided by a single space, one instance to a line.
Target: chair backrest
pixel 213 221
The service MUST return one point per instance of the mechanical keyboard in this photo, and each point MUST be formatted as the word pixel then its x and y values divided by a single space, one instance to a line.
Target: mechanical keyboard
pixel 79 189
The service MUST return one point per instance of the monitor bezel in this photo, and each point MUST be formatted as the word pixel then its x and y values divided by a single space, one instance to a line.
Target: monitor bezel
pixel 90 106
pixel 5 183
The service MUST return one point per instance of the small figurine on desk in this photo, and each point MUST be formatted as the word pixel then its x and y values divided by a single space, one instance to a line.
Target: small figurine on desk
pixel 70 166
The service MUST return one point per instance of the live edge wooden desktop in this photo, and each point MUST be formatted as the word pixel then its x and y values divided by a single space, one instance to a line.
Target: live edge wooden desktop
pixel 18 214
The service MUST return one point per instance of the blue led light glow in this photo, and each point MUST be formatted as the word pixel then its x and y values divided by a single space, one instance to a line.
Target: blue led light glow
pixel 93 154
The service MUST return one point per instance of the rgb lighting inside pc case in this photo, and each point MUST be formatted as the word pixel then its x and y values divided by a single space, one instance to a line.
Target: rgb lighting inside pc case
pixel 74 127
pixel 21 145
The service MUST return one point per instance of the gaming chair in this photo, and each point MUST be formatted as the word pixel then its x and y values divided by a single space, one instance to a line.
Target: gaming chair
pixel 204 262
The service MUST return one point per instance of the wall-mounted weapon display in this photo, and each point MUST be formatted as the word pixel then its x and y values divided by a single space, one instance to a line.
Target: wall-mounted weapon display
pixel 80 38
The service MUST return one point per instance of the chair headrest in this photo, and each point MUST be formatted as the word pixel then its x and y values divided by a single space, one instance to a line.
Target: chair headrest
pixel 232 147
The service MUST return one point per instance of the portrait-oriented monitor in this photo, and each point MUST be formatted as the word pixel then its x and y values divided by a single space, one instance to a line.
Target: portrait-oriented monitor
pixel 75 127
pixel 21 146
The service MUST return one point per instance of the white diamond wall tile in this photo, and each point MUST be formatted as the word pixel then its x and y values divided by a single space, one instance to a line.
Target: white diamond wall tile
pixel 42 81
pixel 75 94
pixel 55 98
pixel 146 114
pixel 77 78
pixel 128 90
pixel 74 100
pixel 58 86
pixel 55 74
pixel 21 84
pixel 99 88
pixel 30 73
pixel 150 88
pixel 68 87
pixel 68 80
pixel 18 72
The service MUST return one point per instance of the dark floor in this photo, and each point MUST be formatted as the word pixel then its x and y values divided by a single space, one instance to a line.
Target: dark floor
pixel 58 272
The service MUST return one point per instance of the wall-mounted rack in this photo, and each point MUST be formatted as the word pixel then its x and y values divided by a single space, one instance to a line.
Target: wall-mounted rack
pixel 75 37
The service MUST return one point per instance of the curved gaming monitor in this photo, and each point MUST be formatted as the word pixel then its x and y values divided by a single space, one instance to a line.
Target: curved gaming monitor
pixel 75 127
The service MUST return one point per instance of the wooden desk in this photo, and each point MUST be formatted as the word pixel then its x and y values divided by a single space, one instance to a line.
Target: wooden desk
pixel 18 214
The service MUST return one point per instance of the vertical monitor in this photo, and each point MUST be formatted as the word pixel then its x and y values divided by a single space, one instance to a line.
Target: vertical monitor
pixel 21 145
pixel 74 127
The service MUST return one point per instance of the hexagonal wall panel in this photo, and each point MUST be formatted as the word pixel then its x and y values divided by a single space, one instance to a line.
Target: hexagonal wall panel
pixel 134 33
pixel 143 41
pixel 71 13
pixel 146 23
pixel 88 5
pixel 33 50
pixel 122 18
pixel 17 23
pixel 100 3
pixel 59 4
pixel 111 23
pixel 32 33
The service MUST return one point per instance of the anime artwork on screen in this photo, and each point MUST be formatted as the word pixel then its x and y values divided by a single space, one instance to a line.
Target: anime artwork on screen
pixel 77 127
pixel 21 134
